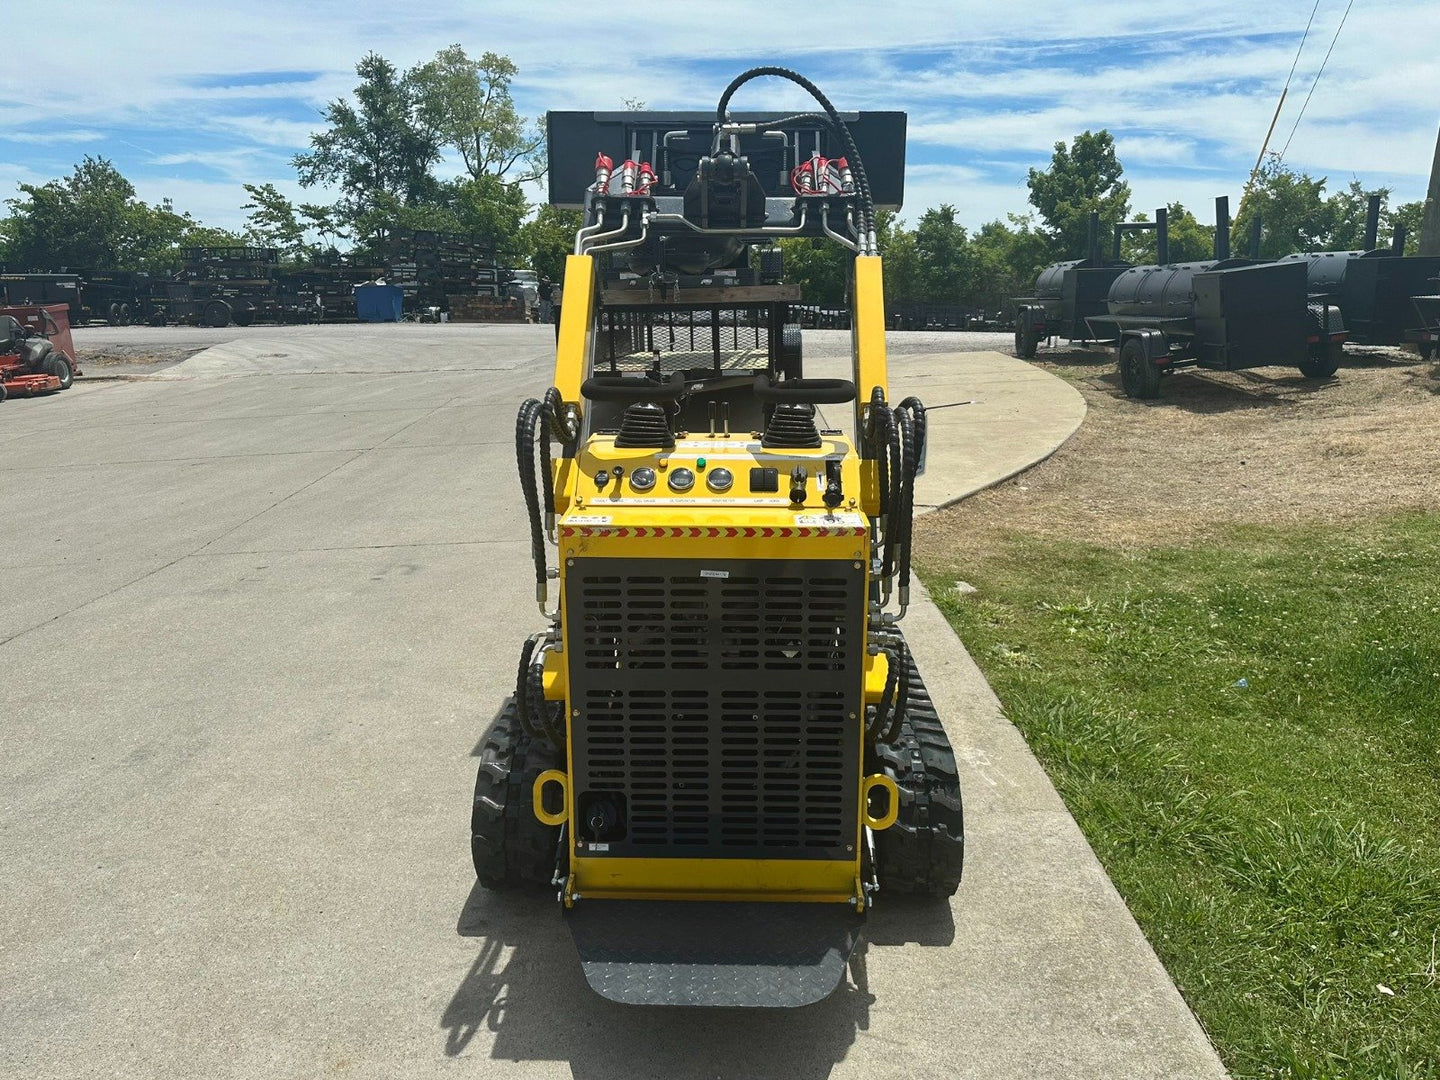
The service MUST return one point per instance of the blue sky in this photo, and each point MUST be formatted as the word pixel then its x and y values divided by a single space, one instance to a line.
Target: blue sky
pixel 191 100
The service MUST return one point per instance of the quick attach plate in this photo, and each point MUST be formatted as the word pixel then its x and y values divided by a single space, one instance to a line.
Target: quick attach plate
pixel 706 953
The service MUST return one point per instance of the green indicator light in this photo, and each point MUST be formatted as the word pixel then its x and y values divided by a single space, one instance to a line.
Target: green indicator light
pixel 700 463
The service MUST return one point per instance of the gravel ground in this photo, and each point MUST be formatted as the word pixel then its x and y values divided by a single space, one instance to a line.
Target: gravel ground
pixel 1259 446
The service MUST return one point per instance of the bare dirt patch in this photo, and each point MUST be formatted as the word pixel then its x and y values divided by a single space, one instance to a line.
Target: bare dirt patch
pixel 1263 446
pixel 137 356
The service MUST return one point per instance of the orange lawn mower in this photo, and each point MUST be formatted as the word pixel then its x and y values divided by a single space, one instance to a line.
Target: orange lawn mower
pixel 36 353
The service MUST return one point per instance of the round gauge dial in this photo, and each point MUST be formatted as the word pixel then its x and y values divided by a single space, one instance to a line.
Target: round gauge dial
pixel 643 478
pixel 719 479
pixel 681 479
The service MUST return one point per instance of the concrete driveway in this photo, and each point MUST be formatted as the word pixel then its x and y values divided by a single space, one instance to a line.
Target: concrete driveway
pixel 256 616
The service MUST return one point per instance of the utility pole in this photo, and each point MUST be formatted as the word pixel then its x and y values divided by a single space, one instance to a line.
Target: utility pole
pixel 1430 224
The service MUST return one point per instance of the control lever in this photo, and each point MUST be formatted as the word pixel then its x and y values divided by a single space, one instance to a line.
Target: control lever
pixel 798 480
pixel 834 496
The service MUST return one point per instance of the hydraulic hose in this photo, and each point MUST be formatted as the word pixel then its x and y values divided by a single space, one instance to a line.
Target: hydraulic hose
pixel 862 182
pixel 911 416
pixel 535 425
pixel 545 717
pixel 884 726
pixel 522 689
pixel 905 512
pixel 527 435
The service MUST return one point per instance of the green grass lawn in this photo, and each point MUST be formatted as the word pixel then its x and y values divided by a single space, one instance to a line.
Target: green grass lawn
pixel 1248 731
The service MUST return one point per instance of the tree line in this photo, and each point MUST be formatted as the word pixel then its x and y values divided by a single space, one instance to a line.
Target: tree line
pixel 380 148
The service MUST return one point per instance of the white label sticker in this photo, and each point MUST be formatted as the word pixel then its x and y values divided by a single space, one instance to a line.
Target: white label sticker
pixel 588 519
pixel 830 521
pixel 599 847
pixel 715 573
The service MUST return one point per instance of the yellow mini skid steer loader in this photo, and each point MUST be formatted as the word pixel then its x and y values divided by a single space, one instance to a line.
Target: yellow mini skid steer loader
pixel 720 749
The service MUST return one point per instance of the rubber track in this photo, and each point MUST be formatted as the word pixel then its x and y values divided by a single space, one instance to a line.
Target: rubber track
pixel 511 848
pixel 923 853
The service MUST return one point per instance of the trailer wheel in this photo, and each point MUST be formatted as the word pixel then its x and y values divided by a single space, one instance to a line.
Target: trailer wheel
pixel 217 314
pixel 1025 342
pixel 3 392
pixel 1427 350
pixel 1323 361
pixel 125 317
pixel 1139 377
pixel 112 315
pixel 244 317
pixel 58 365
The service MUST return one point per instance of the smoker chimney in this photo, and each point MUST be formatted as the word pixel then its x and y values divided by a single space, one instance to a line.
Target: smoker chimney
pixel 1222 228
pixel 1162 236
pixel 1397 242
pixel 1255 237
pixel 1372 224
pixel 1093 251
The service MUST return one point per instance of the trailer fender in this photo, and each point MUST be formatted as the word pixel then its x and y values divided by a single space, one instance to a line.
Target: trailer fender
pixel 1032 318
pixel 1157 346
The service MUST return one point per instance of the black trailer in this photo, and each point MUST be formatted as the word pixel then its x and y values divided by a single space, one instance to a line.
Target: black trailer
pixel 43 289
pixel 1066 294
pixel 1427 312
pixel 1375 287
pixel 1223 314
pixel 117 297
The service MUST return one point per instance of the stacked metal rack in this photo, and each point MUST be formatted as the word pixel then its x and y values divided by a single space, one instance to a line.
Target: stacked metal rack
pixel 430 267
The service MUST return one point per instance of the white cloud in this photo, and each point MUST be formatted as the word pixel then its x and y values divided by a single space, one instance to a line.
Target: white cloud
pixel 1187 88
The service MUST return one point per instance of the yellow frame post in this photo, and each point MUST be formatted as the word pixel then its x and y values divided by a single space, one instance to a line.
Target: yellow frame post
pixel 577 324
pixel 867 333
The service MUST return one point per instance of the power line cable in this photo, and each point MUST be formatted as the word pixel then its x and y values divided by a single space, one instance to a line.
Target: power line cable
pixel 1298 51
pixel 1317 79
pixel 1284 90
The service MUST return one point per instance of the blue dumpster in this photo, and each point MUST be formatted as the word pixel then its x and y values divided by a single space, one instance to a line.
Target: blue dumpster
pixel 378 303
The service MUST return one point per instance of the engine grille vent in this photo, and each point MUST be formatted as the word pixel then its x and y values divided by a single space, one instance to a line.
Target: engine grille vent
pixel 723 710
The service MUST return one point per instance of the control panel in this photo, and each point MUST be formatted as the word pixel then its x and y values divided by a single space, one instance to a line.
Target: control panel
pixel 718 472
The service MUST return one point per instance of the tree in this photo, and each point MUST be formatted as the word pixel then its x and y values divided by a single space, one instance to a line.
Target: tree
pixel 1081 179
pixel 1292 212
pixel 379 151
pixel 945 267
pixel 1410 215
pixel 1006 260
pixel 547 238
pixel 487 206
pixel 820 267
pixel 902 261
pixel 273 222
pixel 324 221
pixel 467 102
pixel 92 219
pixel 1189 241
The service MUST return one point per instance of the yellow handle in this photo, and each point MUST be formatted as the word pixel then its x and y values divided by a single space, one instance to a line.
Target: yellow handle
pixel 537 797
pixel 892 811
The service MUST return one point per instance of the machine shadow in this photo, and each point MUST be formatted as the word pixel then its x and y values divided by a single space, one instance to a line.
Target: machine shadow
pixel 506 704
pixel 526 990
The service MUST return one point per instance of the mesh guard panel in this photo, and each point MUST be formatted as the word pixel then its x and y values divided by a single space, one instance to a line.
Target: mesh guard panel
pixel 723 709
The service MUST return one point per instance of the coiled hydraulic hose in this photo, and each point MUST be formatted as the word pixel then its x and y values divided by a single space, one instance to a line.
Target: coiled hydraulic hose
pixel 910 417
pixel 535 425
pixel 895 439
pixel 884 725
pixel 537 716
pixel 862 182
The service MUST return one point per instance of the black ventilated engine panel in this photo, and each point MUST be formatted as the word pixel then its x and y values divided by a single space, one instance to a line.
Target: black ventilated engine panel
pixel 720 709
